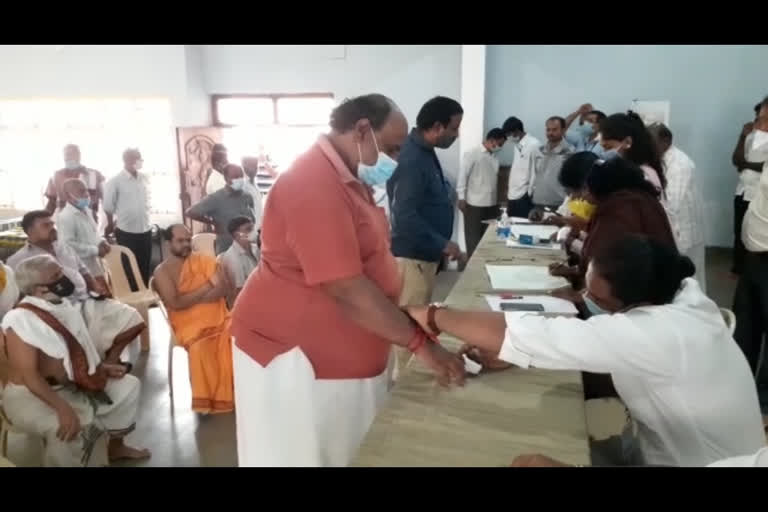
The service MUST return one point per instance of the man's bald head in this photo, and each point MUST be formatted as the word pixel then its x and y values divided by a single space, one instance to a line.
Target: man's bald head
pixel 179 240
pixel 366 125
pixel 76 193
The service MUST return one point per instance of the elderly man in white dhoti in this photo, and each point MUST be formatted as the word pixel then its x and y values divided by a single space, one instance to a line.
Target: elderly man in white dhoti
pixel 114 327
pixel 58 387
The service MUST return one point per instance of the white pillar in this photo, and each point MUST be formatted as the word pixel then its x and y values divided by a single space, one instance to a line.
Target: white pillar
pixel 473 103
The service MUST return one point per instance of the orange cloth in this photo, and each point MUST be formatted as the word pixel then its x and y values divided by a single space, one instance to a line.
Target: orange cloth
pixel 204 331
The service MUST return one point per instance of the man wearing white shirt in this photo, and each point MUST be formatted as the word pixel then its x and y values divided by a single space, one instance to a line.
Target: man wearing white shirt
pixel 78 229
pixel 686 385
pixel 520 203
pixel 684 199
pixel 749 167
pixel 216 179
pixel 476 187
pixel 750 303
pixel 127 196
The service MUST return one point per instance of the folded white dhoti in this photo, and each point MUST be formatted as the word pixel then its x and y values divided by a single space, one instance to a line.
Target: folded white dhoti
pixel 287 417
pixel 30 414
pixel 106 319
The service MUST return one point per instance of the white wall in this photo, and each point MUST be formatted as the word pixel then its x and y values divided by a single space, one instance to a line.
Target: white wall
pixel 106 71
pixel 408 74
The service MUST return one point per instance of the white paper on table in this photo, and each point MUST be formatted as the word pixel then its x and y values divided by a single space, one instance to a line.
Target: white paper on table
pixel 517 245
pixel 519 220
pixel 512 220
pixel 552 305
pixel 523 277
pixel 537 231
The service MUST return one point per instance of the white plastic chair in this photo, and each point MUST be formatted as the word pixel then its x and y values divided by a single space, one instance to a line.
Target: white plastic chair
pixel 205 243
pixel 118 282
pixel 730 319
pixel 172 342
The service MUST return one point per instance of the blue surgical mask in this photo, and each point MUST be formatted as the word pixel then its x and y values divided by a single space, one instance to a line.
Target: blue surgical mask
pixel 592 306
pixel 611 153
pixel 71 164
pixel 378 173
pixel 495 149
pixel 237 184
pixel 586 128
pixel 82 203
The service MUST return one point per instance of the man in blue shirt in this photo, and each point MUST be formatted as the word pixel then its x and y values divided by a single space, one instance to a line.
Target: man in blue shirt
pixel 583 136
pixel 422 201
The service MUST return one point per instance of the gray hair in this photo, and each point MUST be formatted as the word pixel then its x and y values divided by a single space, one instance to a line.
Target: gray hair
pixel 69 185
pixel 30 272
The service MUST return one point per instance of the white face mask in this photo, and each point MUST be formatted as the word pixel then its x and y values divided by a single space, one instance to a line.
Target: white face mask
pixel 139 165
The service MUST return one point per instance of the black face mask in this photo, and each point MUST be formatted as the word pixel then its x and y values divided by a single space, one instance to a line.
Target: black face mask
pixel 63 287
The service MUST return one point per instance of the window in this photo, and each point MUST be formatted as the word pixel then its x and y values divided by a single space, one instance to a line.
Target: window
pixel 276 128
pixel 33 134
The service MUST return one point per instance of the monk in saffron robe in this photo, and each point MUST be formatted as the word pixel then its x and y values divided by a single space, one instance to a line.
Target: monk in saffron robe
pixel 193 290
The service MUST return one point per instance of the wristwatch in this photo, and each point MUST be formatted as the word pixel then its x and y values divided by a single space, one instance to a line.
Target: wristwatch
pixel 431 310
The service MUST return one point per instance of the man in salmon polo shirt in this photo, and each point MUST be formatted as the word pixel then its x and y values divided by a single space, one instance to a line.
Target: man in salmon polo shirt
pixel 315 322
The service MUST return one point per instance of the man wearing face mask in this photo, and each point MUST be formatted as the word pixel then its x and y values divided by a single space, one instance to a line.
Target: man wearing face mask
pixel 750 303
pixel 216 180
pixel 476 187
pixel 78 229
pixel 525 145
pixel 59 386
pixel 315 322
pixel 219 208
pixel 242 257
pixel 421 201
pixel 114 326
pixel 93 180
pixel 127 197
pixel 583 135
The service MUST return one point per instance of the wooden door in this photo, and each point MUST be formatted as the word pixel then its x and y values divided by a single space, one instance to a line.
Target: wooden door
pixel 195 146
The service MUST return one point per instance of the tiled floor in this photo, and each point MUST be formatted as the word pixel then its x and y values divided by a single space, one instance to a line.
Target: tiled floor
pixel 178 437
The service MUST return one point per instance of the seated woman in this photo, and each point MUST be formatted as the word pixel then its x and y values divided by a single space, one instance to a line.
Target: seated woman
pixel 572 177
pixel 576 210
pixel 626 203
pixel 675 365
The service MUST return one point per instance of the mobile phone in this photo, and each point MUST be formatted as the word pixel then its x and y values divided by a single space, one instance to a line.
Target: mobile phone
pixel 521 306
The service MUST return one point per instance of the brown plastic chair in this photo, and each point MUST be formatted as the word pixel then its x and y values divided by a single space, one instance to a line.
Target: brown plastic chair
pixel 205 243
pixel 121 289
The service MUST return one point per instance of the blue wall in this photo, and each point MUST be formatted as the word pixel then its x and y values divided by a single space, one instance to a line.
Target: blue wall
pixel 711 89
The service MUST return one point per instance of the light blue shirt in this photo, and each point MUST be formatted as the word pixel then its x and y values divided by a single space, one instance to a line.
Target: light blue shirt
pixel 580 141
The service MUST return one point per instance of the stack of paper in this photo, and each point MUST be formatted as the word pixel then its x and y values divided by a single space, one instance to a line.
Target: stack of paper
pixel 552 305
pixel 553 246
pixel 523 278
pixel 537 231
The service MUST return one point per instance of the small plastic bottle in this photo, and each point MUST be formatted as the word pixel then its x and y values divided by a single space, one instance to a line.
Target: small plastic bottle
pixel 502 226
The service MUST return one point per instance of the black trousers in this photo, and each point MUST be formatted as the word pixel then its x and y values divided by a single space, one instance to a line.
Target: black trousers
pixel 140 245
pixel 520 207
pixel 739 251
pixel 474 228
pixel 750 305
